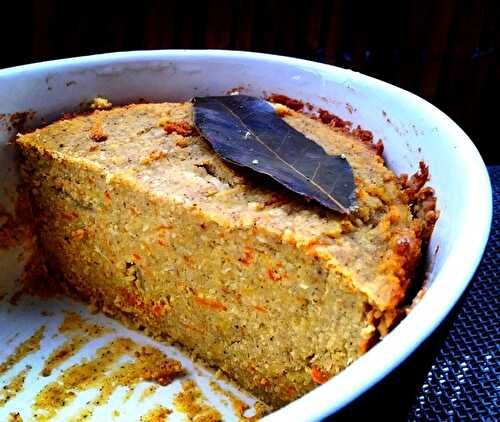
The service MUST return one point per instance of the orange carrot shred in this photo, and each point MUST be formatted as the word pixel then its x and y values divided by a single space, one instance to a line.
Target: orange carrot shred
pixel 319 376
pixel 211 303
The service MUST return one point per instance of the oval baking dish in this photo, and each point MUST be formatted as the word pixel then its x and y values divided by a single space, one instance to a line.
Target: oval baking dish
pixel 412 130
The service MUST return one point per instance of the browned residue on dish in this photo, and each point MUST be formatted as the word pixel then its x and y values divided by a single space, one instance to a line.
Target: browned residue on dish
pixel 16 227
pixel 156 414
pixel 422 199
pixel 73 322
pixel 34 281
pixel 83 415
pixel 14 386
pixel 104 373
pixel 14 417
pixel 18 120
pixel 292 103
pixel 148 392
pixel 365 136
pixel 236 90
pixel 81 332
pixel 238 405
pixel 193 403
pixel 128 394
pixel 27 347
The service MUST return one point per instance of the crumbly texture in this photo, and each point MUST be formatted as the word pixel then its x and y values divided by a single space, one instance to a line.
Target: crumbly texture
pixel 141 217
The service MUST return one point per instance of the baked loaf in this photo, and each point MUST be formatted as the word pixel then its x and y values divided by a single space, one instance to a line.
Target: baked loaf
pixel 140 217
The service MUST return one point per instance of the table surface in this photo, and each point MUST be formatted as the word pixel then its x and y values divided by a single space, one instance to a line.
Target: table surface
pixel 455 374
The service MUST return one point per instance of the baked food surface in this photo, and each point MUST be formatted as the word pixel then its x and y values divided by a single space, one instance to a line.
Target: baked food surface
pixel 139 216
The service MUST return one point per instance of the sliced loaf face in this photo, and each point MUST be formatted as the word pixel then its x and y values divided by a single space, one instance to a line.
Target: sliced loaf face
pixel 140 216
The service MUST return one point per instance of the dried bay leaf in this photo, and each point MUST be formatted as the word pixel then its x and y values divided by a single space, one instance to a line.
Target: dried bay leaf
pixel 247 131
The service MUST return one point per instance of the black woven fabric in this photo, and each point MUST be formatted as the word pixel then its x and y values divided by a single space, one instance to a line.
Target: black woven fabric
pixel 464 380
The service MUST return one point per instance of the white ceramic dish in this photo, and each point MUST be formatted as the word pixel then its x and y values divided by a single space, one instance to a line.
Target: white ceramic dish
pixel 411 128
